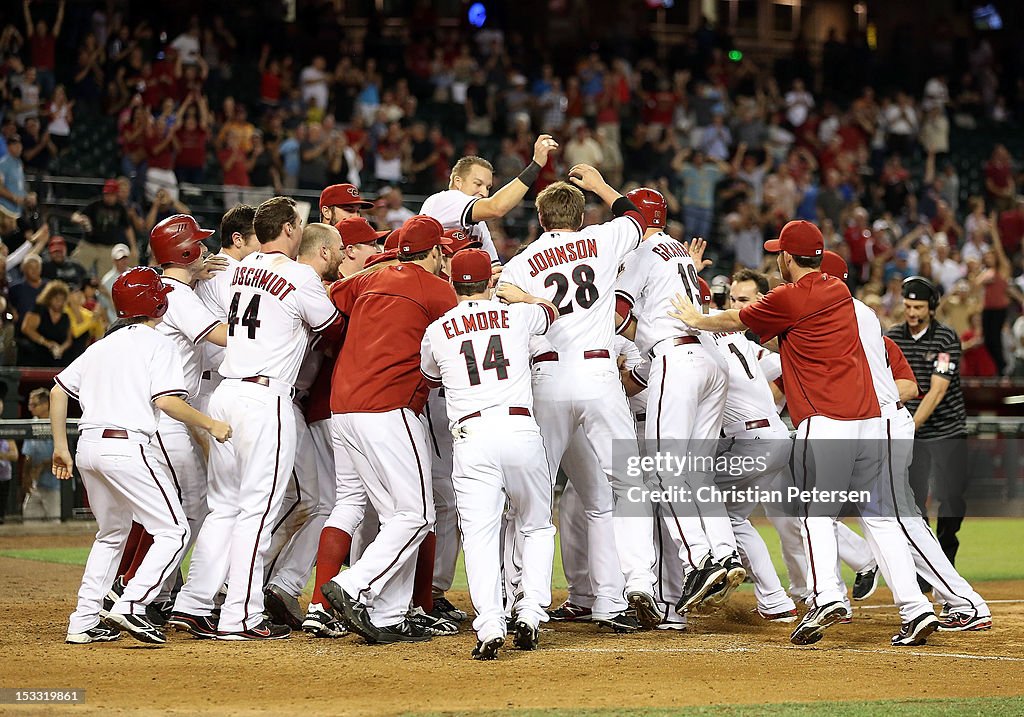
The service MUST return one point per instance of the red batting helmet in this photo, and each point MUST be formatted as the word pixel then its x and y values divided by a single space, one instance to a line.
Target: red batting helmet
pixel 651 204
pixel 178 240
pixel 834 265
pixel 139 292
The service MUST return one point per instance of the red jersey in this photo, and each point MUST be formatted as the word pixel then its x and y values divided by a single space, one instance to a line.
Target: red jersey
pixel 387 313
pixel 901 370
pixel 318 403
pixel 824 368
pixel 192 151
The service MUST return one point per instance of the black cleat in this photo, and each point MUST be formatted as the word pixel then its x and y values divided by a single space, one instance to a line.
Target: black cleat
pixel 404 631
pixel 488 649
pixel 865 584
pixel 353 613
pixel 283 608
pixel 916 631
pixel 526 636
pixel 266 630
pixel 647 612
pixel 623 623
pixel 816 620
pixel 100 633
pixel 199 626
pixel 138 626
pixel 699 583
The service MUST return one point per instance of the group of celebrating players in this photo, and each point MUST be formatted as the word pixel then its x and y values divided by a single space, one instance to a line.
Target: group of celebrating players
pixel 380 409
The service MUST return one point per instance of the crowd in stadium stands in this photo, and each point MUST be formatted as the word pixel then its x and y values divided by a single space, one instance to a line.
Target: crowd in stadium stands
pixel 737 149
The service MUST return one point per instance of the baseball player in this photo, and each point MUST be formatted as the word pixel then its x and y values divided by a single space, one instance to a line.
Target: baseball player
pixel 830 395
pixel 237 241
pixel 576 383
pixel 118 458
pixel 965 608
pixel 377 395
pixel 276 305
pixel 480 352
pixel 686 409
pixel 467 203
pixel 341 201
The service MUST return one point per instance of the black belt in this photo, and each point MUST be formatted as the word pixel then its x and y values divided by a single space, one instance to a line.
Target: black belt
pixel 641 417
pixel 512 411
pixel 553 355
pixel 115 433
pixel 207 375
pixel 261 380
pixel 899 405
pixel 759 423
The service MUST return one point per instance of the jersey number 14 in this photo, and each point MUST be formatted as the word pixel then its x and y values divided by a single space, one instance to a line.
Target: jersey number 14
pixel 494 360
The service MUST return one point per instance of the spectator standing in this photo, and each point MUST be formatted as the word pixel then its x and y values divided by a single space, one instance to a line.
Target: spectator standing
pixel 314 82
pixel 106 222
pixel 343 164
pixel 994 280
pixel 420 156
pixel 700 177
pixel 26 96
pixel 37 148
pixel 46 329
pixel 12 180
pixel 799 103
pixel 120 259
pixel 86 326
pixel 192 138
pixel 290 151
pixel 582 149
pixel 313 154
pixel 263 175
pixel 24 294
pixel 187 43
pixel 161 144
pixel 42 490
pixel 999 179
pixel 902 122
pixel 235 164
pixel 42 43
pixel 61 268
pixel 395 213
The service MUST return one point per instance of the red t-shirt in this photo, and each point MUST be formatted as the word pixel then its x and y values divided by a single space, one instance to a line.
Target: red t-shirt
pixel 858 241
pixel 387 311
pixel 270 88
pixel 998 172
pixel 43 51
pixel 898 365
pixel 824 368
pixel 318 404
pixel 164 159
pixel 192 149
pixel 236 175
pixel 1011 230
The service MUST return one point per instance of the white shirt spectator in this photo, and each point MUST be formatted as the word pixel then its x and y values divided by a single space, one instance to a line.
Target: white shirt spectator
pixel 187 46
pixel 313 80
pixel 901 119
pixel 798 106
pixel 936 94
pixel 947 273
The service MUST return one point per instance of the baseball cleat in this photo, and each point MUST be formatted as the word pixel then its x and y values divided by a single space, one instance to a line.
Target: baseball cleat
pixel 138 626
pixel 816 621
pixel 266 630
pixel 865 584
pixel 100 633
pixel 112 596
pixel 526 636
pixel 320 623
pixel 353 613
pixel 699 583
pixel 200 626
pixel 624 622
pixel 444 608
pixel 956 621
pixel 946 610
pixel 916 631
pixel 488 649
pixel 647 612
pixel 783 616
pixel 433 626
pixel 672 625
pixel 157 613
pixel 570 612
pixel 283 608
pixel 735 574
pixel 404 631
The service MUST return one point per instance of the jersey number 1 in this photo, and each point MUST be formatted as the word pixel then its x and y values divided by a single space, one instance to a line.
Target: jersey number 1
pixel 250 318
pixel 494 359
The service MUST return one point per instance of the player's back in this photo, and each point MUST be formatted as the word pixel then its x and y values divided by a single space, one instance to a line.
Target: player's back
pixel 454 210
pixel 749 397
pixel 215 293
pixel 186 323
pixel 387 312
pixel 276 304
pixel 651 277
pixel 481 349
pixel 871 338
pixel 576 271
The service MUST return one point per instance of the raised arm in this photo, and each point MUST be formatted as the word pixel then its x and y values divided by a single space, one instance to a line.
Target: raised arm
pixel 508 197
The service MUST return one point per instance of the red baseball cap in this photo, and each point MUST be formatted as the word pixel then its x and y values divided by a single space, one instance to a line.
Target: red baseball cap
pixel 111 187
pixel 471 265
pixel 705 291
pixel 421 233
pixel 389 255
pixel 356 230
pixel 391 240
pixel 460 240
pixel 342 195
pixel 834 265
pixel 56 242
pixel 799 238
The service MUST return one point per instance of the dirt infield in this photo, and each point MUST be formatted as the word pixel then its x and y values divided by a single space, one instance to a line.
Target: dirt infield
pixel 727 658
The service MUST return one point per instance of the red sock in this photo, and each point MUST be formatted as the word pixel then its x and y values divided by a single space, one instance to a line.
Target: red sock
pixel 423 582
pixel 330 554
pixel 130 546
pixel 140 554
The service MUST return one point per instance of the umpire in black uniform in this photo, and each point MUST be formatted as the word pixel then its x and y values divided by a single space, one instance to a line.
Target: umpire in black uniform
pixel 940 447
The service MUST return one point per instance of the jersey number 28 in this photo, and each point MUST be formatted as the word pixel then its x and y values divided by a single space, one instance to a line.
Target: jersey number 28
pixel 494 360
pixel 250 317
pixel 586 291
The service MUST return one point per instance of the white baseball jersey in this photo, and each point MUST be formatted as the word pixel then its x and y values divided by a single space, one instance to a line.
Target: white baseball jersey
pixel 276 305
pixel 117 379
pixel 479 351
pixel 651 277
pixel 455 210
pixel 870 331
pixel 187 322
pixel 576 271
pixel 215 293
pixel 749 398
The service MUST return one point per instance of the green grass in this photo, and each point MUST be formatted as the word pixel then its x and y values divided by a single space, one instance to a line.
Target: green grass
pixel 986 706
pixel 989 550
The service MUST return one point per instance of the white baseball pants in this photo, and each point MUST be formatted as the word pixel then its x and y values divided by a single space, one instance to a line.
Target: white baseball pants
pixel 446 518
pixel 247 481
pixel 587 394
pixel 390 455
pixel 124 478
pixel 497 455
